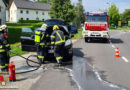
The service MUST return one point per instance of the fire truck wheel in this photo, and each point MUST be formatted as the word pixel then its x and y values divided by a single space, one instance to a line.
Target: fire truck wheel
pixel 86 39
pixel 105 40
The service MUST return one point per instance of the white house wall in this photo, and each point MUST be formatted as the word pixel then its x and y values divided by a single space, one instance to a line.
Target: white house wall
pixel 13 13
pixel 7 16
pixel 2 12
pixel 32 15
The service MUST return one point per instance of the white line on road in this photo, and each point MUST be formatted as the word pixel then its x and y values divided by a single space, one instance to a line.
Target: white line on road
pixel 125 59
pixel 113 46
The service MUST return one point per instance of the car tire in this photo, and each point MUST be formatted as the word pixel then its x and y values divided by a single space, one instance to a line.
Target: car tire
pixel 69 58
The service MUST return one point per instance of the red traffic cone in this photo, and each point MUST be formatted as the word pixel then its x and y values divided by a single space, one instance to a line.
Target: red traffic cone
pixel 117 53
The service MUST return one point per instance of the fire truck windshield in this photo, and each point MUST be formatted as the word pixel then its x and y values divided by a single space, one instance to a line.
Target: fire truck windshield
pixel 96 18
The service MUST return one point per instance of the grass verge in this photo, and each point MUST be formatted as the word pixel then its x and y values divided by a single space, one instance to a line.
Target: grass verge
pixel 78 35
pixel 17 49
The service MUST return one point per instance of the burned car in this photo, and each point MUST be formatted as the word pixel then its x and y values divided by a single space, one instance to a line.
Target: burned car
pixel 28 44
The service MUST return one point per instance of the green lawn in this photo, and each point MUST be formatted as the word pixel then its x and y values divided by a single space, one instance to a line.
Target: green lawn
pixel 17 49
pixel 78 35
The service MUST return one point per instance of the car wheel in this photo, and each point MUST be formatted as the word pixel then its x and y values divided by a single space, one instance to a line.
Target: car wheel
pixel 69 57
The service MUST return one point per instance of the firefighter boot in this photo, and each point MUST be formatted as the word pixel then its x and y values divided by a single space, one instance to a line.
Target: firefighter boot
pixel 59 63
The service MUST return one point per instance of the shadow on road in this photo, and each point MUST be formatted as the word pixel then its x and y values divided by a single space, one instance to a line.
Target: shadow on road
pixel 78 52
pixel 116 40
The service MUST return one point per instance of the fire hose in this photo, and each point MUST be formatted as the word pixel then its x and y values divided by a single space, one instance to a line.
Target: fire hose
pixel 27 61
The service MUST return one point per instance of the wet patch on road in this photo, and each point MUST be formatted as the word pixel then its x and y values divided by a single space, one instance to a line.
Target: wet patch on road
pixel 88 78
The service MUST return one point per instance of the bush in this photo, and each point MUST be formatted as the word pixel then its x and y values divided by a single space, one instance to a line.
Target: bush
pixel 14 29
pixel 29 21
pixel 14 35
pixel 18 24
pixel 112 27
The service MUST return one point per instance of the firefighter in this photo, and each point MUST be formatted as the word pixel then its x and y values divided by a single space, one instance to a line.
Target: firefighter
pixel 40 40
pixel 58 40
pixel 4 48
pixel 4 27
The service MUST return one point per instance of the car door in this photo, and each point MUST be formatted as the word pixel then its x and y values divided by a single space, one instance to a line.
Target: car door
pixel 27 40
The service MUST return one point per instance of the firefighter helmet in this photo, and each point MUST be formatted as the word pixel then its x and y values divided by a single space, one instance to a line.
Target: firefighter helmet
pixel 44 26
pixel 55 27
pixel 3 27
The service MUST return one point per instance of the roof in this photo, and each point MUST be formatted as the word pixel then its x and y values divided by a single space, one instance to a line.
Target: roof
pixel 24 4
pixel 4 3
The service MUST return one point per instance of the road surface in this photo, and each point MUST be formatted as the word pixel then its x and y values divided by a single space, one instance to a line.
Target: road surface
pixel 94 67
pixel 101 56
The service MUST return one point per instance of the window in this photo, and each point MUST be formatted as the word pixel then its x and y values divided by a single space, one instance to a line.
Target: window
pixel 21 11
pixel 37 18
pixel 27 18
pixel 11 19
pixel 42 13
pixel 96 18
pixel 36 12
pixel 21 18
pixel 27 12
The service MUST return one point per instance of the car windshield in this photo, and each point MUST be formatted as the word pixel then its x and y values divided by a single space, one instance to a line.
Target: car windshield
pixel 54 22
pixel 26 30
pixel 96 19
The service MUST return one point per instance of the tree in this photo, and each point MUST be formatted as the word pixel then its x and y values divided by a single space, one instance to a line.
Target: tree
pixel 125 16
pixel 79 14
pixel 114 14
pixel 62 9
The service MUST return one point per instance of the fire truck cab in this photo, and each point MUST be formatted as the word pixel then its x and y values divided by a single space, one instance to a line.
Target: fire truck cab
pixel 96 26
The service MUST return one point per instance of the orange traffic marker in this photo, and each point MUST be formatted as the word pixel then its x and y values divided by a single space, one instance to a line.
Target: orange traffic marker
pixel 117 53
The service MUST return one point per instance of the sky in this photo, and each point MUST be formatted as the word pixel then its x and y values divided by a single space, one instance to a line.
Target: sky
pixel 95 5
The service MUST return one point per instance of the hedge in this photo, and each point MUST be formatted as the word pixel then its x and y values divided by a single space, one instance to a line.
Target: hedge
pixel 14 29
pixel 24 24
pixel 18 24
pixel 14 35
pixel 29 21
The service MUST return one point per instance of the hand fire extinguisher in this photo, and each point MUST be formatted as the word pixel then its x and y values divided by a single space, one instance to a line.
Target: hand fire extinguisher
pixel 11 68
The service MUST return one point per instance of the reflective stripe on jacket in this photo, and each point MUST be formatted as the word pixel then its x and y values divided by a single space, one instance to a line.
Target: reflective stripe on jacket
pixel 57 37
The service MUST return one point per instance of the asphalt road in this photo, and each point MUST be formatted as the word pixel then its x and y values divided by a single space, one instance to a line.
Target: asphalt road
pixel 101 56
pixel 94 67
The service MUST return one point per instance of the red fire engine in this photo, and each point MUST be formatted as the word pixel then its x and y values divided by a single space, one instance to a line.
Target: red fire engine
pixel 96 26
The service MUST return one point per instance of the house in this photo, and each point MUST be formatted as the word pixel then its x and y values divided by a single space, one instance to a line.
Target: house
pixel 2 12
pixel 28 10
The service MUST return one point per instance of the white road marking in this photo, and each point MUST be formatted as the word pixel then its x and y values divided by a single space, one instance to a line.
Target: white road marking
pixel 113 46
pixel 125 59
pixel 71 74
